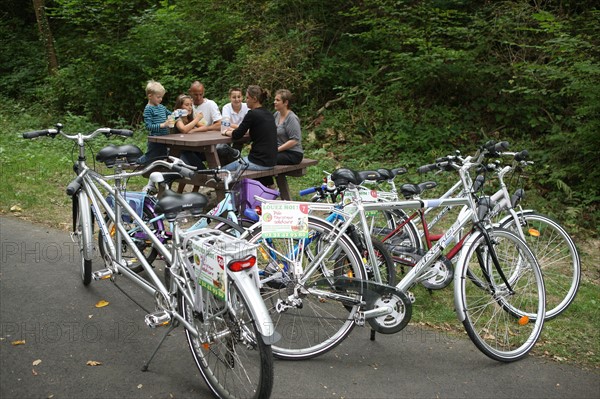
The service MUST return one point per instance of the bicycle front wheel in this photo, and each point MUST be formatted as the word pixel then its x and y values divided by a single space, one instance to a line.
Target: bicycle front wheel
pixel 315 316
pixel 82 234
pixel 503 321
pixel 557 255
pixel 229 352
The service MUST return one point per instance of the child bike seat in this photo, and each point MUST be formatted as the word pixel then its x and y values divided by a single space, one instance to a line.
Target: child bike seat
pixel 410 190
pixel 172 203
pixel 125 154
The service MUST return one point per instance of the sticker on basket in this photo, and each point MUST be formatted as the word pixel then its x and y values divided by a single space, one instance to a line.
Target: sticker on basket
pixel 210 271
pixel 284 220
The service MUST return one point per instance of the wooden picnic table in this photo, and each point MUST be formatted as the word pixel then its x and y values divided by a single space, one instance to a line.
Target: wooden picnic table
pixel 206 143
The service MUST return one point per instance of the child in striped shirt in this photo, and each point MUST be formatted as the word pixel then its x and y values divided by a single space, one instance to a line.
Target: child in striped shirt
pixel 156 118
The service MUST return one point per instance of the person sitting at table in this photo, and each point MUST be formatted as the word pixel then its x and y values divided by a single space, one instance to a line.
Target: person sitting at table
pixel 208 108
pixel 188 124
pixel 260 125
pixel 235 110
pixel 289 133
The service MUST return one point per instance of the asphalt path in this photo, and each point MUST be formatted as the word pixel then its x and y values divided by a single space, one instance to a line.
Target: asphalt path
pixel 44 304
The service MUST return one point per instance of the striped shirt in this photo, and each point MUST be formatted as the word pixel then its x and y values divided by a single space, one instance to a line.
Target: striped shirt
pixel 154 115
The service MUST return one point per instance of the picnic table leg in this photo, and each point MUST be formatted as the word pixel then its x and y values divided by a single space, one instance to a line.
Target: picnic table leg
pixel 282 185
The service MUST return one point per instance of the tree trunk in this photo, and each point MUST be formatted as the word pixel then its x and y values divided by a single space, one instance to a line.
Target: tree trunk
pixel 46 35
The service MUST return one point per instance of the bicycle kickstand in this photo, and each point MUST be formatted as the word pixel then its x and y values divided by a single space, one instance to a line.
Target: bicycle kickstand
pixel 171 328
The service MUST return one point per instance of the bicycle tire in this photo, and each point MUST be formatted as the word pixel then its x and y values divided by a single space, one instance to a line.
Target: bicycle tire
pixel 557 256
pixel 231 356
pixel 79 234
pixel 504 326
pixel 143 243
pixel 319 324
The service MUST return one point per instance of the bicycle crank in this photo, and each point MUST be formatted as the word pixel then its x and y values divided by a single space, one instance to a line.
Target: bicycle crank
pixel 439 276
pixel 387 309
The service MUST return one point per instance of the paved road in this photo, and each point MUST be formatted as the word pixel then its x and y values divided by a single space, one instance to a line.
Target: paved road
pixel 43 302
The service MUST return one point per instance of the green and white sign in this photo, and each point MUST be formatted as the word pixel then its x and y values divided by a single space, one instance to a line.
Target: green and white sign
pixel 284 220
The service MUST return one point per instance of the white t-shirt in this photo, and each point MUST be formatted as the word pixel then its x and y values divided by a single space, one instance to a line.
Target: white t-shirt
pixel 210 110
pixel 235 117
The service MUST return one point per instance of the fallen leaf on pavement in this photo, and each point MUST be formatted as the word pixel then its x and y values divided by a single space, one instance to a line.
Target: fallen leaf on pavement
pixel 102 303
pixel 20 342
pixel 16 208
pixel 37 362
pixel 93 363
pixel 34 372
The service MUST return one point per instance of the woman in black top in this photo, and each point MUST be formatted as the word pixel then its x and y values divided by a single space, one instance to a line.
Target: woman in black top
pixel 260 125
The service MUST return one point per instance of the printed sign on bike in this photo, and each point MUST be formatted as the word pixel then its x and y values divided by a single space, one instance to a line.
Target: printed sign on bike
pixel 210 270
pixel 284 220
pixel 365 196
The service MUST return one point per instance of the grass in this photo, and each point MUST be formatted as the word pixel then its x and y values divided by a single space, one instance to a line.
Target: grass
pixel 35 173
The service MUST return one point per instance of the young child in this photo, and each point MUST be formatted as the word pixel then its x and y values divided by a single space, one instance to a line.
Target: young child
pixel 156 118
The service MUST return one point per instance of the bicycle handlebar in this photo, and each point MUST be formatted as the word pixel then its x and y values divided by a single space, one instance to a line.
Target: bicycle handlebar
pixel 308 191
pixel 53 132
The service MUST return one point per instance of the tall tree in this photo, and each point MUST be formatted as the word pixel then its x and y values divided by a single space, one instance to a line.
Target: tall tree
pixel 46 35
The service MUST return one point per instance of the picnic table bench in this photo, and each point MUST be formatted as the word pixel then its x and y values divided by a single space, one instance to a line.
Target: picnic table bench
pixel 206 143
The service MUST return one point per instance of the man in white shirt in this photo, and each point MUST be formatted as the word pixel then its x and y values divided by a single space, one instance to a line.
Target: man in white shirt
pixel 209 108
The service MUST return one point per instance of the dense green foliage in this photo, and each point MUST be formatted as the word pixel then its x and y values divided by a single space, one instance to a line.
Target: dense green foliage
pixel 376 81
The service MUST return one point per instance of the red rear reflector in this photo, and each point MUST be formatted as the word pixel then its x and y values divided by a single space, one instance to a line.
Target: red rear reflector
pixel 242 264
pixel 258 210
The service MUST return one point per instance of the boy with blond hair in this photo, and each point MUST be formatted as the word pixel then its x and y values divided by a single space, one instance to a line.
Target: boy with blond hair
pixel 156 119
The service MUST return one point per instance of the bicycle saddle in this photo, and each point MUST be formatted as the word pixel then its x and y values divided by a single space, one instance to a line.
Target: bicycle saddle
pixel 410 190
pixel 389 174
pixel 172 203
pixel 368 175
pixel 343 176
pixel 127 153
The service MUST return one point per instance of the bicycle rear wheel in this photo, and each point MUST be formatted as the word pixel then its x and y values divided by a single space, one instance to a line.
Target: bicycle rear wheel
pixel 557 256
pixel 232 357
pixel 503 322
pixel 314 323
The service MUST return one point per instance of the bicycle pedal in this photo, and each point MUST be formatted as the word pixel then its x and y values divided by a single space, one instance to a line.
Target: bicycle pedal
pixel 103 274
pixel 158 319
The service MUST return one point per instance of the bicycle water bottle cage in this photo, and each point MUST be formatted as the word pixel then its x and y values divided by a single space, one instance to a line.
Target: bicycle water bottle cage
pixel 123 154
pixel 343 176
pixel 410 190
pixel 172 203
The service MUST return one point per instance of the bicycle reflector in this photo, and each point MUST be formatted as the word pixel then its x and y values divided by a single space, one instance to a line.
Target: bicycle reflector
pixel 242 264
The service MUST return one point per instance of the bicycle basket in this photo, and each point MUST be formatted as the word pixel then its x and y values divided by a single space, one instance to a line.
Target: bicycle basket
pixel 212 251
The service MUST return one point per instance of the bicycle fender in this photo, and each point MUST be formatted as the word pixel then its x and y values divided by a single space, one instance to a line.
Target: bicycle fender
pixel 459 281
pixel 86 225
pixel 504 221
pixel 247 286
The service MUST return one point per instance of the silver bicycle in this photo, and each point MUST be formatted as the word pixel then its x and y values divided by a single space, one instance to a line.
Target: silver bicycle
pixel 213 285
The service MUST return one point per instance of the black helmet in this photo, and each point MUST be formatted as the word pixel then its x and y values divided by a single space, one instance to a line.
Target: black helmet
pixel 343 176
